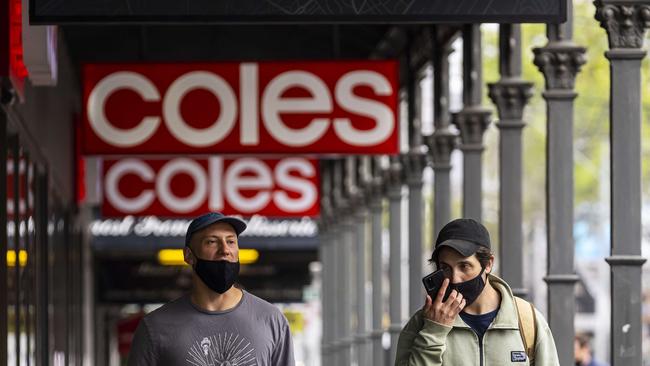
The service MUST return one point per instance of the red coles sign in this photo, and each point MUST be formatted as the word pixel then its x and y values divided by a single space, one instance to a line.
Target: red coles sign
pixel 189 187
pixel 271 107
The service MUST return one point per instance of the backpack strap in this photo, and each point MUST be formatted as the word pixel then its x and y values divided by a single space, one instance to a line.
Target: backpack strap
pixel 527 326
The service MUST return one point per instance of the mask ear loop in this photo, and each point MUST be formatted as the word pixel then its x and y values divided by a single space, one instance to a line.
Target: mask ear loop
pixel 481 275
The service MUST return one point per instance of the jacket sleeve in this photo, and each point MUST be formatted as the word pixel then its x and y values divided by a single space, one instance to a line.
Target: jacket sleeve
pixel 545 351
pixel 421 342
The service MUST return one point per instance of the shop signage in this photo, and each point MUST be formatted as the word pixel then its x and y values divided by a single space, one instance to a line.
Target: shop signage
pixel 267 107
pixel 152 233
pixel 153 226
pixel 17 70
pixel 299 11
pixel 285 187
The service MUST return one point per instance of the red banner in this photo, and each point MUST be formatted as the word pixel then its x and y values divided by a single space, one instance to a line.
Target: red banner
pixel 189 187
pixel 267 107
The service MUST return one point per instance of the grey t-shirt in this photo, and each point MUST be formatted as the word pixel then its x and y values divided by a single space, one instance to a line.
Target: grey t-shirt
pixel 253 333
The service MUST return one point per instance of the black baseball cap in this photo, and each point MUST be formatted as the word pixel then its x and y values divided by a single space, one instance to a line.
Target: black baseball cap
pixel 465 236
pixel 210 218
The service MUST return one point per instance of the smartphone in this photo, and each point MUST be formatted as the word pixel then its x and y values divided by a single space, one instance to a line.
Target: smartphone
pixel 433 283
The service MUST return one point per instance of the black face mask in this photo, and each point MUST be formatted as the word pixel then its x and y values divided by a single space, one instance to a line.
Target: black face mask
pixel 219 276
pixel 470 289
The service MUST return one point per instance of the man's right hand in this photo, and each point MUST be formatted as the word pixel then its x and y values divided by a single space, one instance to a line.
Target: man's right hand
pixel 444 312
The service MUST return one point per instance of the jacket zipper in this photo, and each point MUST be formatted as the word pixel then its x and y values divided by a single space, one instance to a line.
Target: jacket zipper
pixel 480 346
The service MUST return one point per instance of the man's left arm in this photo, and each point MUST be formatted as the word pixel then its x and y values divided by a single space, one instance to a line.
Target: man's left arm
pixel 283 351
pixel 545 351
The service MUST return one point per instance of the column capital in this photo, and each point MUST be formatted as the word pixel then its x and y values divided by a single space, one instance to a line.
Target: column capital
pixel 375 189
pixel 510 96
pixel 441 144
pixel 414 163
pixel 624 21
pixel 472 122
pixel 394 174
pixel 560 62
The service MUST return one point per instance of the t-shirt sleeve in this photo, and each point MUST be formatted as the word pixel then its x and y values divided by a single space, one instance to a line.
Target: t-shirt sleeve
pixel 143 351
pixel 283 352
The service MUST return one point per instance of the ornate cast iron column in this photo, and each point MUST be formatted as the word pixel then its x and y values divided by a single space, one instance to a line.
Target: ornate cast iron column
pixel 443 141
pixel 342 235
pixel 472 121
pixel 361 216
pixel 510 94
pixel 625 23
pixel 414 162
pixel 376 197
pixel 394 180
pixel 328 304
pixel 560 61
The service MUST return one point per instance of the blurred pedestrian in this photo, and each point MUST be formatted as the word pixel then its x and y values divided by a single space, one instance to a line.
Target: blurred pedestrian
pixel 584 355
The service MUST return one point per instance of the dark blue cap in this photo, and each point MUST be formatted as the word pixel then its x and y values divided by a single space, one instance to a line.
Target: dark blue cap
pixel 208 219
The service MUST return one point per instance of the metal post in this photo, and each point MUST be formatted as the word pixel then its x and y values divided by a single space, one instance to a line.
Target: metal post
pixel 394 180
pixel 361 338
pixel 327 261
pixel 510 94
pixel 348 285
pixel 472 121
pixel 376 210
pixel 341 276
pixel 343 203
pixel 414 163
pixel 625 24
pixel 3 237
pixel 324 252
pixel 340 348
pixel 363 240
pixel 443 141
pixel 329 295
pixel 351 192
pixel 560 61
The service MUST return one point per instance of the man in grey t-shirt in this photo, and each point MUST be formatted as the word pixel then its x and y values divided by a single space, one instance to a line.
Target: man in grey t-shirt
pixel 216 324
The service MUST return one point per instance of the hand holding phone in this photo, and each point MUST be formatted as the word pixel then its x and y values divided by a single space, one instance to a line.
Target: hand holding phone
pixel 433 283
pixel 438 307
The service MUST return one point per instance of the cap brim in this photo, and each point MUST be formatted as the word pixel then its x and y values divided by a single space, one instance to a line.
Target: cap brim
pixel 238 224
pixel 464 247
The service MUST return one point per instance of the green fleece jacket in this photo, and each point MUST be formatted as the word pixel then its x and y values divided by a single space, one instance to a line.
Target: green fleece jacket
pixel 423 342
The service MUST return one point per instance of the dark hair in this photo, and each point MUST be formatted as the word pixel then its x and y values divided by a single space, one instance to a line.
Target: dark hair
pixel 483 255
pixel 583 339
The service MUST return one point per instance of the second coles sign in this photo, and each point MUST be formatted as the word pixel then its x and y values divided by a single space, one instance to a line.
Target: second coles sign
pixel 285 187
pixel 251 107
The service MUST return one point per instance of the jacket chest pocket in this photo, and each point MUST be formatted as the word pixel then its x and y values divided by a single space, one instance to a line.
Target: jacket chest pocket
pixel 504 347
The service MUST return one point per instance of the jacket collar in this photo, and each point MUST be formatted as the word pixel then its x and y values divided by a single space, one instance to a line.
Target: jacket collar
pixel 507 316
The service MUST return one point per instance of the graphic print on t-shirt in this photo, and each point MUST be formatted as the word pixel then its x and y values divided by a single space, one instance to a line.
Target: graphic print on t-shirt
pixel 224 349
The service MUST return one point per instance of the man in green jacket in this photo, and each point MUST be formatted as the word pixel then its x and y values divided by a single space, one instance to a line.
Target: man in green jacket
pixel 478 323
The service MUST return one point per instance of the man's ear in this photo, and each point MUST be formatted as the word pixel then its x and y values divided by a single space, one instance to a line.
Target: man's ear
pixel 188 256
pixel 490 265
